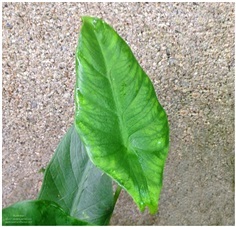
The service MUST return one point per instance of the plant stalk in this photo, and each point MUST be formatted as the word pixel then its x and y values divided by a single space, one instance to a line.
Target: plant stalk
pixel 117 193
pixel 116 196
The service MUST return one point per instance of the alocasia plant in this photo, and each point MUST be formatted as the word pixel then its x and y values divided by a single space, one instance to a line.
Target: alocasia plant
pixel 120 133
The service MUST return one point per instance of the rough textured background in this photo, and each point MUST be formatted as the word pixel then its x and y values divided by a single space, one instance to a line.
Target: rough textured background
pixel 187 49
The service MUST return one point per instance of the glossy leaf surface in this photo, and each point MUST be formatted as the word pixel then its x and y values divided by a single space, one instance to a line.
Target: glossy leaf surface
pixel 37 212
pixel 74 183
pixel 122 124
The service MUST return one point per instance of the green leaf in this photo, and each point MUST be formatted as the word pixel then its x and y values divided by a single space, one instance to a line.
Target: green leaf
pixel 74 183
pixel 37 212
pixel 122 124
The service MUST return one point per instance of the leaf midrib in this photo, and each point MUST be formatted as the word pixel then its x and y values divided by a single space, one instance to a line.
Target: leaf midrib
pixel 124 133
pixel 122 128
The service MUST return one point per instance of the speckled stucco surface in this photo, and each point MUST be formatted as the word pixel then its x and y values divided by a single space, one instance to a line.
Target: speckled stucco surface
pixel 187 49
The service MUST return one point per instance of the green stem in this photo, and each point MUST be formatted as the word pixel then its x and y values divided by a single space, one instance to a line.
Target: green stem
pixel 117 193
pixel 116 196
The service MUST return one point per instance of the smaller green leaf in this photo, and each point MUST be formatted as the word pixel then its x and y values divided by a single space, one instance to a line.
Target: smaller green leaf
pixel 73 182
pixel 37 212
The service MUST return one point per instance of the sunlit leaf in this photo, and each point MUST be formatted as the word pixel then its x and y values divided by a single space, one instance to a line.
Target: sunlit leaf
pixel 119 119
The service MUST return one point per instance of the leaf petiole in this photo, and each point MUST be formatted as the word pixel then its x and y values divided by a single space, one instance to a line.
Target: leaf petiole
pixel 117 193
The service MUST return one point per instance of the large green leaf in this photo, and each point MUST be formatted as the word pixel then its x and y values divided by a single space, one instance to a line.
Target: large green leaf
pixel 37 212
pixel 74 183
pixel 122 124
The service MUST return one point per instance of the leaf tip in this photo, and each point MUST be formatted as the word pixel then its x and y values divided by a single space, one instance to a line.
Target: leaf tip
pixel 91 20
pixel 153 208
